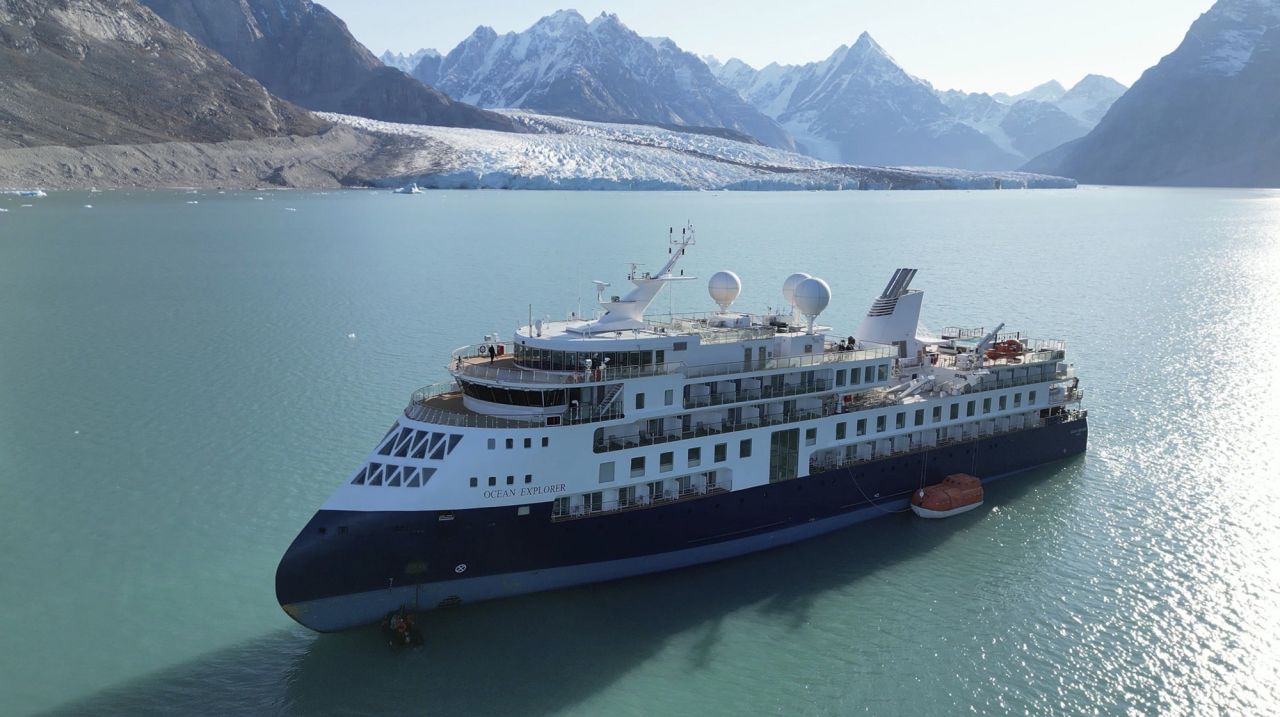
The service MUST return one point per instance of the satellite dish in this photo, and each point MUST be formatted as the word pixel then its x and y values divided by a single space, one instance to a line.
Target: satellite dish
pixel 724 288
pixel 811 297
pixel 789 287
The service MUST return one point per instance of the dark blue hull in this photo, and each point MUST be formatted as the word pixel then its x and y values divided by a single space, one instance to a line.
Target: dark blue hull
pixel 350 568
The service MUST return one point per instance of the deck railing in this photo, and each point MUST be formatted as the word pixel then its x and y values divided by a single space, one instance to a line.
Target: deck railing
pixel 421 408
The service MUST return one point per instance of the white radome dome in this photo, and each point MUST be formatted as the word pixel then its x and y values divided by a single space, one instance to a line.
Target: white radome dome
pixel 724 287
pixel 812 296
pixel 789 287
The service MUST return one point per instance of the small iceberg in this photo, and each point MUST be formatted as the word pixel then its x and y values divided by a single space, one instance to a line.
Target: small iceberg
pixel 37 193
pixel 193 202
pixel 2 209
pixel 88 206
pixel 290 209
pixel 410 188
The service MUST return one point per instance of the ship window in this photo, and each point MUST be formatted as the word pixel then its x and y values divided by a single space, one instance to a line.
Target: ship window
pixel 426 474
pixel 655 490
pixel 722 452
pixel 413 481
pixel 606 472
pixel 359 479
pixel 393 479
pixel 511 480
pixel 1004 402
pixel 862 427
pixel 919 417
pixel 626 496
pixel 855 376
pixel 560 507
pixel 528 477
pixel 881 424
pixel 1031 398
pixel 986 405
pixel 680 346
pixel 695 457
pixel 637 466
pixel 811 436
pixel 493 480
pixel 593 502
pixel 937 414
pixel 522 510
pixel 492 443
pixel 666 461
pixel 660 356
pixel 900 421
pixel 511 443
pixel 669 397
pixel 840 377
pixel 1017 399
pixel 528 443
pixel 744 448
pixel 882 372
pixel 474 481
pixel 808 348
pixel 869 374
pixel 639 401
pixel 842 430
pixel 969 408
pixel 955 411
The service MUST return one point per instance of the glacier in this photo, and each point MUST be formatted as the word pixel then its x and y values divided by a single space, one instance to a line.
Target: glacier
pixel 562 153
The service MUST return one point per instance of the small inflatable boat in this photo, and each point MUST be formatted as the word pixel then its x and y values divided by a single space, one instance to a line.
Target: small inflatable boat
pixel 957 493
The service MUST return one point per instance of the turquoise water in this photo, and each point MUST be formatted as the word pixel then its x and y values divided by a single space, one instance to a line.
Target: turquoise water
pixel 180 390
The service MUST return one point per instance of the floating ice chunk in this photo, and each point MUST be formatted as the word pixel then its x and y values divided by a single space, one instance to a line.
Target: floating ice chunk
pixel 27 206
pixel 258 198
pixel 193 202
pixel 290 209
pixel 351 336
pixel 2 209
pixel 88 206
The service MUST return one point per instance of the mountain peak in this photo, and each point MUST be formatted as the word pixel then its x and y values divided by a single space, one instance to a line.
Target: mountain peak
pixel 560 22
pixel 867 43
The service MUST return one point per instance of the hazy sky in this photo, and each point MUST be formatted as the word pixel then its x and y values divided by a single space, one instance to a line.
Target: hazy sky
pixel 975 45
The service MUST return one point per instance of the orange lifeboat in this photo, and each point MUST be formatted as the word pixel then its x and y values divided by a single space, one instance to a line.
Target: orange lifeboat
pixel 956 493
pixel 1009 348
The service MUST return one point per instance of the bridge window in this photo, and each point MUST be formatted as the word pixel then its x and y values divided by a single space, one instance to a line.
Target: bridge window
pixel 637 466
pixel 881 424
pixel 900 420
pixel 722 452
pixel 1004 402
pixel 1031 398
pixel 937 414
pixel 955 411
pixel 969 408
pixel 919 417
pixel 986 405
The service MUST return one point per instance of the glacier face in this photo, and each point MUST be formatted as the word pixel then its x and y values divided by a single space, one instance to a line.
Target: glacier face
pixel 598 70
pixel 562 153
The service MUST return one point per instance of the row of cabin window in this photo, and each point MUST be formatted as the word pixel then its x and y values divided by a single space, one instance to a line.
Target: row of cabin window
pixel 511 442
pixel 594 502
pixel 493 480
pixel 667 459
pixel 867 374
pixel 668 399
pixel 900 419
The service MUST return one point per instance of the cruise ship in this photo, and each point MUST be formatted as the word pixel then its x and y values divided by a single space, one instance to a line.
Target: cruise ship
pixel 602 447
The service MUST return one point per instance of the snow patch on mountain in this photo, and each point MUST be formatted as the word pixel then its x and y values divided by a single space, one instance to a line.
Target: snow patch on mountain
pixel 407 62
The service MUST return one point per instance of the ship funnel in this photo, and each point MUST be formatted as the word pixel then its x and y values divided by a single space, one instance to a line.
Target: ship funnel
pixel 894 315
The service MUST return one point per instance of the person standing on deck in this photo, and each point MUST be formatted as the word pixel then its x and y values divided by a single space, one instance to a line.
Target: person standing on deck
pixel 492 353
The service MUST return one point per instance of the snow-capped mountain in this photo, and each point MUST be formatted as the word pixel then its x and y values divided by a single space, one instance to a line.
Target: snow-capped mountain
pixel 1090 98
pixel 407 62
pixel 599 70
pixel 1035 121
pixel 1050 91
pixel 1206 114
pixel 303 53
pixel 858 106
